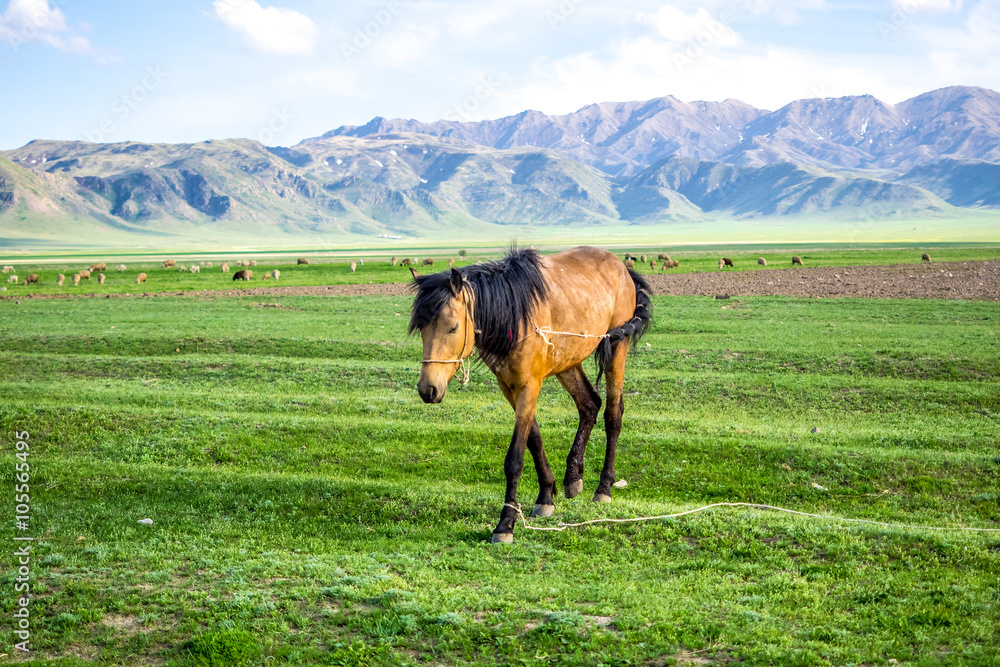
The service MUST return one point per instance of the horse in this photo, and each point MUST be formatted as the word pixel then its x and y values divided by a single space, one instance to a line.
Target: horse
pixel 530 317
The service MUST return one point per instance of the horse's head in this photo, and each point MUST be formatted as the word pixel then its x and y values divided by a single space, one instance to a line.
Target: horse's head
pixel 442 312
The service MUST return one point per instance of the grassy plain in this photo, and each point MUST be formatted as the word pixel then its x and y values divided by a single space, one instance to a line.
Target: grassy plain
pixel 327 270
pixel 308 509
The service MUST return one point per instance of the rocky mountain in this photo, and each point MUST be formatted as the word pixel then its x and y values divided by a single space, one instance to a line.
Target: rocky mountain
pixel 649 162
pixel 856 132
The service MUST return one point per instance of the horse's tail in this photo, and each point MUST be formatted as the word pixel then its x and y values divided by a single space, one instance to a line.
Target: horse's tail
pixel 631 330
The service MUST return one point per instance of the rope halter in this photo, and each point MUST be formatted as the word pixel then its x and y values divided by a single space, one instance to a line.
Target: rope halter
pixel 463 361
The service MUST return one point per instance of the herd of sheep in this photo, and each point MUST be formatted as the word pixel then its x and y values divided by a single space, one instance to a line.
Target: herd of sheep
pixel 662 261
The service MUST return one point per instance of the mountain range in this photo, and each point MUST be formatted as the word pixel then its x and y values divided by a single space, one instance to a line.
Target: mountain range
pixel 651 162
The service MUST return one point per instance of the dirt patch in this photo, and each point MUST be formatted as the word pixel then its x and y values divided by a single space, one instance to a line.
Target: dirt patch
pixel 974 281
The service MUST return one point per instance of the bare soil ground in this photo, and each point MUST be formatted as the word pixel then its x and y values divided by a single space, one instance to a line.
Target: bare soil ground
pixel 975 281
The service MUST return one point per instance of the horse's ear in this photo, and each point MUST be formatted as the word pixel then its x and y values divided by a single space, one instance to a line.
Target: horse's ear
pixel 415 274
pixel 456 282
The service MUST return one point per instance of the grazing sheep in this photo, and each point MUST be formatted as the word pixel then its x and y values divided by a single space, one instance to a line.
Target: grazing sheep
pixel 208 265
pixel 60 280
pixel 99 267
pixel 722 265
pixel 195 268
pixel 302 260
pixel 277 274
pixel 630 257
pixel 141 278
pixel 395 260
pixel 225 267
pixel 8 269
pixel 361 262
pixel 629 263
pixel 727 261
pixel 267 276
pixel 249 274
pixel 652 265
pixel 181 269
pixel 451 262
pixel 12 279
pixel 663 255
pixel 76 279
pixel 202 264
pixel 169 263
pixel 354 267
pixel 240 275
pixel 427 262
pixel 85 274
pixel 796 260
pixel 642 258
pixel 253 262
pixel 925 257
pixel 31 279
pixel 405 262
pixel 100 278
pixel 122 267
pixel 761 261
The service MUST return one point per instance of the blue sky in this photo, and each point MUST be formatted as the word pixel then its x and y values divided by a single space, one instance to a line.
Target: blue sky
pixel 283 70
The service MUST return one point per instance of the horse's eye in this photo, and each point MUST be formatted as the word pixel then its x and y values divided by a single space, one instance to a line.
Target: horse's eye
pixel 453 329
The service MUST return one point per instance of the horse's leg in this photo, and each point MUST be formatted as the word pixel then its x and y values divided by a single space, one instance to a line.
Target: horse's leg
pixel 544 504
pixel 525 400
pixel 615 377
pixel 588 403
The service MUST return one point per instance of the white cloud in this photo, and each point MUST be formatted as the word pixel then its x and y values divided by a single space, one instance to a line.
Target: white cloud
pixel 702 27
pixel 34 20
pixel 914 6
pixel 272 29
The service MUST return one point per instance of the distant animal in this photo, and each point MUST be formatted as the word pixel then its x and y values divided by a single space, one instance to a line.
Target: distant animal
pixel 642 258
pixel 267 276
pixel 208 265
pixel 796 260
pixel 202 264
pixel 529 317
pixel 141 278
pixel 76 279
pixel 354 267
pixel 225 267
pixel 674 263
pixel 652 265
pixel 277 274
pixel 99 267
pixel 240 275
pixel 8 269
pixel 253 262
pixel 195 268
pixel 60 280
pixel 249 274
pixel 663 255
pixel 925 257
pixel 122 267
pixel 182 269
pixel 629 257
pixel 722 265
pixel 12 279
pixel 85 274
pixel 302 260
pixel 761 261
pixel 404 262
pixel 727 262
pixel 100 278
pixel 169 263
pixel 395 260
pixel 361 262
pixel 427 262
pixel 629 263
pixel 451 262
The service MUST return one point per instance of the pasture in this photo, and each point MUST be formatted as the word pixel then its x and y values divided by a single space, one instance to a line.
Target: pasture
pixel 335 269
pixel 308 508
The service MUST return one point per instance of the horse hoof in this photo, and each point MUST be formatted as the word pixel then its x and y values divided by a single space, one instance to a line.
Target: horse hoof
pixel 573 489
pixel 502 538
pixel 543 511
pixel 602 498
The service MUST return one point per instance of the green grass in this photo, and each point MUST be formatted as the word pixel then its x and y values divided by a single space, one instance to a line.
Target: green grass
pixel 377 268
pixel 309 509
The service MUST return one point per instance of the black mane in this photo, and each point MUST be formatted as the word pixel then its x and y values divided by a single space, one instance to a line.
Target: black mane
pixel 506 293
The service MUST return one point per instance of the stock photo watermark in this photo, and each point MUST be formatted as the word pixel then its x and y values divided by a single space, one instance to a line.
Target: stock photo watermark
pixel 365 36
pixel 125 105
pixel 279 121
pixel 463 111
pixel 22 543
pixel 562 13
pixel 43 17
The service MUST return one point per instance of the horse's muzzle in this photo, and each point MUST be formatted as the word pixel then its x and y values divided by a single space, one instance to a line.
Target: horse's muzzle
pixel 430 394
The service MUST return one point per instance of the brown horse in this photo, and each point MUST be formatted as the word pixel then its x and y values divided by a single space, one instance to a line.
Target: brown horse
pixel 531 317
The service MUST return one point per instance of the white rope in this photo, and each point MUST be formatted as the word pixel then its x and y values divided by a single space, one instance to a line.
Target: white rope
pixel 464 364
pixel 563 526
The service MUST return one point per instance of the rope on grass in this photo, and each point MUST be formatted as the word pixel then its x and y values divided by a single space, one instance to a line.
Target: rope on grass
pixel 561 526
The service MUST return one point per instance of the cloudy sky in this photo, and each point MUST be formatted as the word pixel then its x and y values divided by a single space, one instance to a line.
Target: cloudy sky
pixel 283 70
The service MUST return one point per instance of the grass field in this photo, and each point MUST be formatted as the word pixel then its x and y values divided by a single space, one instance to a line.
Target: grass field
pixel 377 268
pixel 308 509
